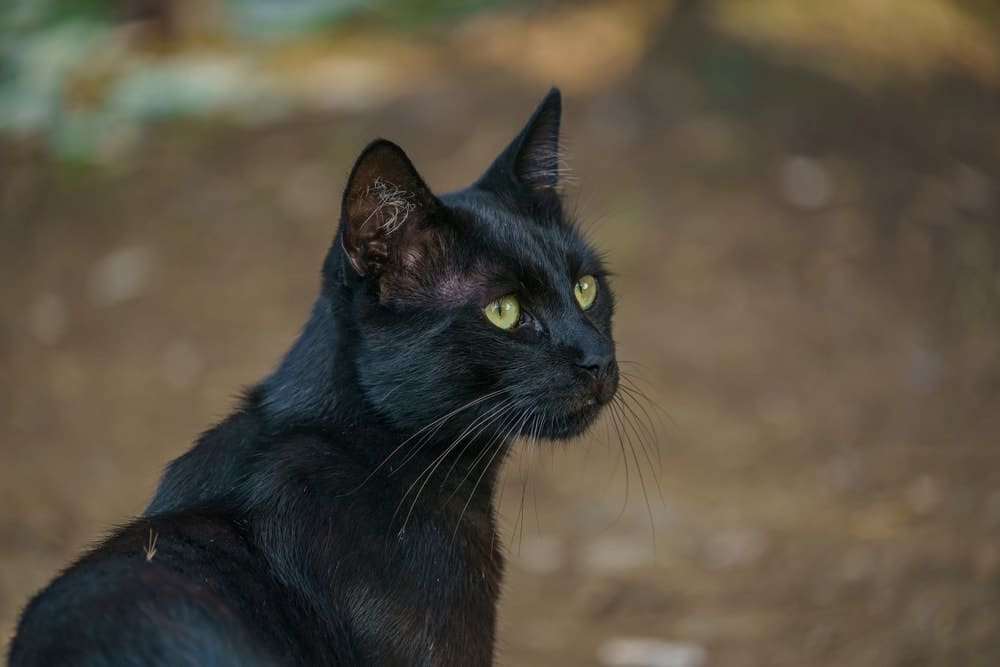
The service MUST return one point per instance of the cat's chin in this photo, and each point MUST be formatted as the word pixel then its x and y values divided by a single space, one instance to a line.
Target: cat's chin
pixel 571 424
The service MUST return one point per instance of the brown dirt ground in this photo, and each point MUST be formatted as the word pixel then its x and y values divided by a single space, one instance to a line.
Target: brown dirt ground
pixel 826 378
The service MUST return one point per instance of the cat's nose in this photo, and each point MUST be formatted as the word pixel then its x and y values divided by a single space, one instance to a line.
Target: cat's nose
pixel 604 370
pixel 596 363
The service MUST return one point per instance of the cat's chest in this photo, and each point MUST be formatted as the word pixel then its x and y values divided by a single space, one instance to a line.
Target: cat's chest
pixel 435 600
pixel 422 596
pixel 414 626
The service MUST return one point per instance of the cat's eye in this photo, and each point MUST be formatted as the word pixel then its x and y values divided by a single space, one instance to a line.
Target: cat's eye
pixel 585 291
pixel 504 312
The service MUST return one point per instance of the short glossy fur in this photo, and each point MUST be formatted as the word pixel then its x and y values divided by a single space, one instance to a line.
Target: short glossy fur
pixel 343 513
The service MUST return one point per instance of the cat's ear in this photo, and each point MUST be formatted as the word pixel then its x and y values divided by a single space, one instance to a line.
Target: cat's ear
pixel 532 158
pixel 385 205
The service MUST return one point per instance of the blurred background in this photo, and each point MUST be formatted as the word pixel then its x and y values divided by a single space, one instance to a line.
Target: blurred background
pixel 800 201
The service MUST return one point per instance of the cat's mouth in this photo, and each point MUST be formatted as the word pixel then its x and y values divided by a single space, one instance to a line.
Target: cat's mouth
pixel 572 420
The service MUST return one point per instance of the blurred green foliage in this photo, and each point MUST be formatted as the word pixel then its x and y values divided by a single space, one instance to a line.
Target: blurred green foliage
pixel 250 17
pixel 36 14
pixel 68 74
pixel 269 18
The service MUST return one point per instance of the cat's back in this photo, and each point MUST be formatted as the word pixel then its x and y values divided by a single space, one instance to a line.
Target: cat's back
pixel 182 589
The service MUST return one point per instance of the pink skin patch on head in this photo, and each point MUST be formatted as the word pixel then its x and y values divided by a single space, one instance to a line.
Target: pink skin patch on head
pixel 456 287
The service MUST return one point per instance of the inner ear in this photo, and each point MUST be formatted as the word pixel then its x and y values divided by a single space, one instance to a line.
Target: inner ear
pixel 386 204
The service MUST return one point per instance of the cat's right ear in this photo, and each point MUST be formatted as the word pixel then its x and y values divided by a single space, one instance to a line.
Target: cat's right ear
pixel 384 204
pixel 531 160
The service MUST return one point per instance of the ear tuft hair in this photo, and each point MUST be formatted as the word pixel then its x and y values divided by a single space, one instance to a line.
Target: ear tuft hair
pixel 384 192
pixel 392 205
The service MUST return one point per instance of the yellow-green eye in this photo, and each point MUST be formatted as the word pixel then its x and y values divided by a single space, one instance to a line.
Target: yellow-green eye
pixel 504 312
pixel 585 291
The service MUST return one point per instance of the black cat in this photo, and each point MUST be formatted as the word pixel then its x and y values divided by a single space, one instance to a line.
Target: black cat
pixel 343 514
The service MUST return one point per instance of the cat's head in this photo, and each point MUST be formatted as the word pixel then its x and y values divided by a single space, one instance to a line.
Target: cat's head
pixel 486 301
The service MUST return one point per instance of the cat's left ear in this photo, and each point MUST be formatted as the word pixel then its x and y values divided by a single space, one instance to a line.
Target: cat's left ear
pixel 532 158
pixel 386 212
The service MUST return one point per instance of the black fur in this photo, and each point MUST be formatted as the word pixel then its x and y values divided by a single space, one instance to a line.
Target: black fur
pixel 343 514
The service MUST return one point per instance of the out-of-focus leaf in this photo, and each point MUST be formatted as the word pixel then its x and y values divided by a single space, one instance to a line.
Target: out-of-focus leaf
pixel 186 86
pixel 35 68
pixel 21 15
pixel 281 18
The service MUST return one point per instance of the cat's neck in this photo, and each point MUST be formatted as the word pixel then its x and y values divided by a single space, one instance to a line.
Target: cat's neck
pixel 310 385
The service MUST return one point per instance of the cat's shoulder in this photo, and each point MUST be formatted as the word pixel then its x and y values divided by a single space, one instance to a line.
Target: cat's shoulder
pixel 154 591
